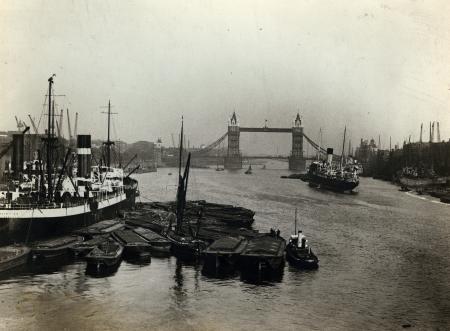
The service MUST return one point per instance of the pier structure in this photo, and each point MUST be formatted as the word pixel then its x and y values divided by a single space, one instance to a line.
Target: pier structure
pixel 233 159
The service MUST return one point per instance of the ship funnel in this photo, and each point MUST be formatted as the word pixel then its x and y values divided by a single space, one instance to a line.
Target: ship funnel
pixel 84 155
pixel 17 154
pixel 329 155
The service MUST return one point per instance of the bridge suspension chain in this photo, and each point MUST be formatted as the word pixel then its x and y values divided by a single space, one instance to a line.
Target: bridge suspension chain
pixel 222 138
pixel 213 145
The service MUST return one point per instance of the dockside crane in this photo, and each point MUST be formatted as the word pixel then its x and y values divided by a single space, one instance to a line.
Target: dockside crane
pixel 9 145
pixel 68 127
pixel 33 124
pixel 20 124
pixel 421 131
pixel 432 133
pixel 438 133
pixel 75 129
pixel 173 140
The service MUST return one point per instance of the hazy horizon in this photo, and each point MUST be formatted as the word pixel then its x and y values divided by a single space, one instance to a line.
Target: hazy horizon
pixel 379 68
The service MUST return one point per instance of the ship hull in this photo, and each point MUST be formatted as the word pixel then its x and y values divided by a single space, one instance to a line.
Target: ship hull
pixel 29 225
pixel 332 183
pixel 220 263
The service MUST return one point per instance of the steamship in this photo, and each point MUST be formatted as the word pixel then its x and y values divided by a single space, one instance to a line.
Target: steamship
pixel 325 174
pixel 43 199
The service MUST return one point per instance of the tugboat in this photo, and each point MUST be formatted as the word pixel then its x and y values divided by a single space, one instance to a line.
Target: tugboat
pixel 217 165
pixel 222 255
pixel 184 246
pixel 13 256
pixel 298 253
pixel 47 199
pixel 249 170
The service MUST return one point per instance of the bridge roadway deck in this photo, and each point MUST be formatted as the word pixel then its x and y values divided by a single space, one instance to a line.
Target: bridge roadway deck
pixel 266 129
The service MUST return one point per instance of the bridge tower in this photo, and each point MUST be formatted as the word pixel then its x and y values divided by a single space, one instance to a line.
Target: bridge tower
pixel 296 160
pixel 233 160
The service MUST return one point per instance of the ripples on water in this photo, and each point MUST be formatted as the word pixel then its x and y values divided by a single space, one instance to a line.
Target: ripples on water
pixel 384 263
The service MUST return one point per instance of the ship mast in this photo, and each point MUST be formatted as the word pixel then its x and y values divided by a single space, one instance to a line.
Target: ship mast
pixel 50 130
pixel 343 147
pixel 108 142
pixel 182 184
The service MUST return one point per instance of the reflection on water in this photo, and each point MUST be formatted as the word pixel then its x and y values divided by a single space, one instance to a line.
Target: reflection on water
pixel 383 254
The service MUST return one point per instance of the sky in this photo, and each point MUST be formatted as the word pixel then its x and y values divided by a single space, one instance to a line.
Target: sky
pixel 377 67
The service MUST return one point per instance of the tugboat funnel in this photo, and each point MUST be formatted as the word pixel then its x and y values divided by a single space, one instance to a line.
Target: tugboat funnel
pixel 329 155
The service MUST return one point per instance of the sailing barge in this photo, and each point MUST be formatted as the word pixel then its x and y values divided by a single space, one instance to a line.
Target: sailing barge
pixel 185 246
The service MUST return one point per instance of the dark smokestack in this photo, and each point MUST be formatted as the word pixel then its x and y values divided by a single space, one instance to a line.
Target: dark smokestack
pixel 17 155
pixel 329 155
pixel 84 155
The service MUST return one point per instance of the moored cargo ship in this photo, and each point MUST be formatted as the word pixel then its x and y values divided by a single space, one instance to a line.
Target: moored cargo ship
pixel 43 199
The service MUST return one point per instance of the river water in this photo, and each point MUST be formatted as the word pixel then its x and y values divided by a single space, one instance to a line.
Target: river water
pixel 384 265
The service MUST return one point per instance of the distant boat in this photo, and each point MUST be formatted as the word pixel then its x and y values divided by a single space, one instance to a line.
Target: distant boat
pixel 263 167
pixel 249 170
pixel 217 166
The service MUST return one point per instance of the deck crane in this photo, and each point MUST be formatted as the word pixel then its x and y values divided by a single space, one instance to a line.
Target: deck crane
pixel 33 124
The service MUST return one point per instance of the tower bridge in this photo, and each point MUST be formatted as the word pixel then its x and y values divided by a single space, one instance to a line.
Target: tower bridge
pixel 233 157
